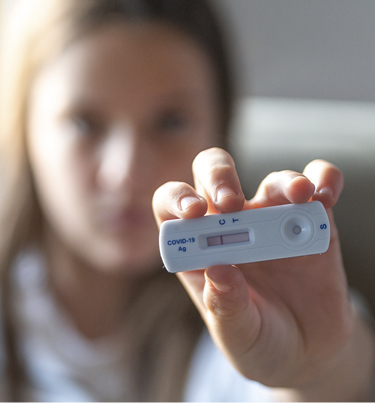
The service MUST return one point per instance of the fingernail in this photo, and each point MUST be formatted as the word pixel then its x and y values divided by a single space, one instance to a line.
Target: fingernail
pixel 187 202
pixel 325 191
pixel 221 287
pixel 224 192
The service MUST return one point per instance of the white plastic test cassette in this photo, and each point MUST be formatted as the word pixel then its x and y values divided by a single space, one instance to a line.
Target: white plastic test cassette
pixel 243 237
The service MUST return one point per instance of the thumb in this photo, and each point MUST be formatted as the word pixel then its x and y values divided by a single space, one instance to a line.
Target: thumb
pixel 231 316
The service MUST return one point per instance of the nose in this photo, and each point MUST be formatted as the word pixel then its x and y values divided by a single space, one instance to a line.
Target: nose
pixel 120 159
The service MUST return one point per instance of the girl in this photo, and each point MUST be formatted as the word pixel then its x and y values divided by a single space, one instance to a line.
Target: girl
pixel 102 102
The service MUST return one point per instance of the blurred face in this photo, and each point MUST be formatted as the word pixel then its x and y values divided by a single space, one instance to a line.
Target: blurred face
pixel 117 114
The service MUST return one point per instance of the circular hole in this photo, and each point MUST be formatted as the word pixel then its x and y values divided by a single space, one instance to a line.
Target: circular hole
pixel 297 229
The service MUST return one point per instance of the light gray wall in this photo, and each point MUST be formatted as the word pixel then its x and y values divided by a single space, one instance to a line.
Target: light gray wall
pixel 304 48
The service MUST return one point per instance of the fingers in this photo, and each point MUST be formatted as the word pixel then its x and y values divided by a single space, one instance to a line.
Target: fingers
pixel 328 181
pixel 218 189
pixel 281 188
pixel 320 181
pixel 177 200
pixel 216 179
pixel 232 316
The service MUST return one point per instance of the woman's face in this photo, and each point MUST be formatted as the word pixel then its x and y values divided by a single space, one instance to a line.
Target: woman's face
pixel 117 114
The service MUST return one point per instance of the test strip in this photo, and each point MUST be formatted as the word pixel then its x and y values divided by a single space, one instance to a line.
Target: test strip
pixel 214 240
pixel 246 236
pixel 228 239
pixel 236 238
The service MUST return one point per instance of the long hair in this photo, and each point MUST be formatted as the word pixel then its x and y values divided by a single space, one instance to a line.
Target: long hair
pixel 162 338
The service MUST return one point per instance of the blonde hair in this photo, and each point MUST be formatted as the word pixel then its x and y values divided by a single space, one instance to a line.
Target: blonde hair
pixel 162 335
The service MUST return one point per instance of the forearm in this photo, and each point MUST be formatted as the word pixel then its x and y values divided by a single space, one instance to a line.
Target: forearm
pixel 351 376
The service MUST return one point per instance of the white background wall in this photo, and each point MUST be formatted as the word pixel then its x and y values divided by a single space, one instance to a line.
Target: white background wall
pixel 305 48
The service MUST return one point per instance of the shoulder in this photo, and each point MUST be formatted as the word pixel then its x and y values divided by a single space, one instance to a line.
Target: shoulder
pixel 213 379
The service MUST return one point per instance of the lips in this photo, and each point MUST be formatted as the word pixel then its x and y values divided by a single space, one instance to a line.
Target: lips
pixel 125 220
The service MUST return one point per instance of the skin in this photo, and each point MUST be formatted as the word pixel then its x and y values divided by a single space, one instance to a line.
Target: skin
pixel 287 323
pixel 117 114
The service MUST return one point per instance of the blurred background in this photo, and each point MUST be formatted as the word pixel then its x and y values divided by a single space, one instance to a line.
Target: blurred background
pixel 306 79
pixel 322 49
pixel 306 82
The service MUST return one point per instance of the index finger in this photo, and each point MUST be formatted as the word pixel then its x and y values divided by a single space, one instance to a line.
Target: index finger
pixel 217 181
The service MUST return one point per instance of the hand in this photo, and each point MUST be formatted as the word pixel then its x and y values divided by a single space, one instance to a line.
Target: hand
pixel 285 322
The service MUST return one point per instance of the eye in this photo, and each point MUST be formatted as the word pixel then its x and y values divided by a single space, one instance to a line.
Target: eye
pixel 86 124
pixel 173 122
